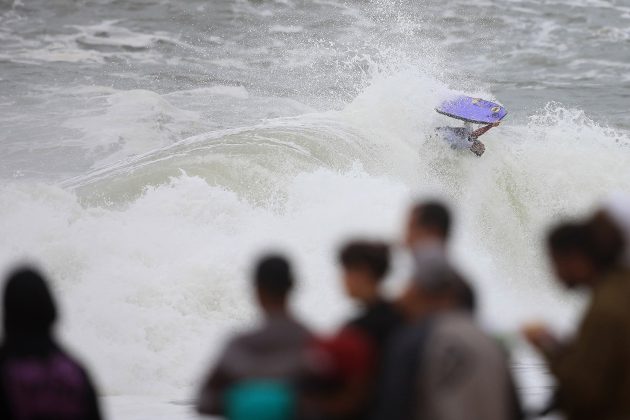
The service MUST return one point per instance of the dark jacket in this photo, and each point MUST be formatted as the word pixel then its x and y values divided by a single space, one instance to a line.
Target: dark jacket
pixel 378 323
pixel 50 386
pixel 38 380
pixel 593 371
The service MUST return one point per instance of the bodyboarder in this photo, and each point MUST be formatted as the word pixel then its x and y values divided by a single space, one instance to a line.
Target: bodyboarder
pixel 465 137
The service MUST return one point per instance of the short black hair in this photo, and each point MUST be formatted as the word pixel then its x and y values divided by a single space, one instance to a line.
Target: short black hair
pixel 273 276
pixel 432 214
pixel 373 256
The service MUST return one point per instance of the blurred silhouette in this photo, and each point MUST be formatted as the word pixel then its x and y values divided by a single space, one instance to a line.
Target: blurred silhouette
pixel 254 377
pixel 356 353
pixel 592 370
pixel 443 366
pixel 428 226
pixel 427 233
pixel 365 265
pixel 38 379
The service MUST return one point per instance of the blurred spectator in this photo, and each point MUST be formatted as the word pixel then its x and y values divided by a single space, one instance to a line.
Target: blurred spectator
pixel 593 369
pixel 365 266
pixel 427 233
pixel 442 366
pixel 428 225
pixel 255 373
pixel 38 379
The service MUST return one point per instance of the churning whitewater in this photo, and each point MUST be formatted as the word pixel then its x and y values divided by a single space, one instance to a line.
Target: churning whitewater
pixel 150 155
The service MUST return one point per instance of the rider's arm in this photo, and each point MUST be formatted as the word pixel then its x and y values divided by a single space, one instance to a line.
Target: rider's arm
pixel 483 130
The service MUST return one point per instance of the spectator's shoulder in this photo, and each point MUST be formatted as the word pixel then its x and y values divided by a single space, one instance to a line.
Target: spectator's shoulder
pixel 611 299
pixel 240 340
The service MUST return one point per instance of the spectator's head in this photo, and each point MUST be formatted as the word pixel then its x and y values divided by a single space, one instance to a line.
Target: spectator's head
pixel 274 281
pixel 608 240
pixel 582 252
pixel 365 265
pixel 29 309
pixel 572 254
pixel 429 221
pixel 435 286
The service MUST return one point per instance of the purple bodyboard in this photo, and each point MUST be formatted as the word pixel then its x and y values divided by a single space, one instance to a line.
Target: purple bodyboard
pixel 473 110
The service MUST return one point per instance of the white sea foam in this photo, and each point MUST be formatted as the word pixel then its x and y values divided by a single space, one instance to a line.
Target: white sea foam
pixel 133 122
pixel 109 34
pixel 286 29
pixel 85 45
pixel 231 63
pixel 176 263
pixel 151 284
pixel 151 251
pixel 238 92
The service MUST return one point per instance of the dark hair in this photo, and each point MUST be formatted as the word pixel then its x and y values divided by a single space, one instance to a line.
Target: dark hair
pixel 598 239
pixel 434 215
pixel 373 256
pixel 607 238
pixel 29 309
pixel 273 276
pixel 570 237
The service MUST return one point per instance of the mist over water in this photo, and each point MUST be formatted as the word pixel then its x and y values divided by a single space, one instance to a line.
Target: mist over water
pixel 150 151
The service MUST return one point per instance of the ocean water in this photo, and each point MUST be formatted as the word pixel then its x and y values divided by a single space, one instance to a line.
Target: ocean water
pixel 151 150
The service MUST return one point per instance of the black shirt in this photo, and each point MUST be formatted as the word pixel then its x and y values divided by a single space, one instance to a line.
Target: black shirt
pixel 378 322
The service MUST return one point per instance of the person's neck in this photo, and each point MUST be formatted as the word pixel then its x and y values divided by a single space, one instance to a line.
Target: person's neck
pixel 368 294
pixel 435 240
pixel 275 311
pixel 429 241
pixel 371 299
